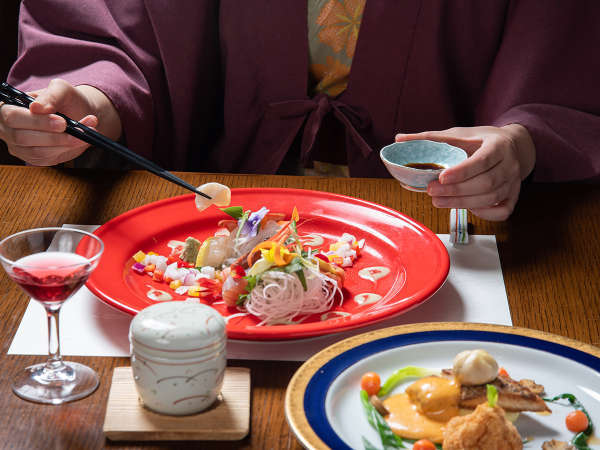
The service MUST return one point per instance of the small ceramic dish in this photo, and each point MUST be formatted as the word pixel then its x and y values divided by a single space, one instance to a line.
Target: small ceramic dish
pixel 416 163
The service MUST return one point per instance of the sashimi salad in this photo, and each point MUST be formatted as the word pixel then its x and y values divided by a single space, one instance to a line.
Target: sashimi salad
pixel 257 263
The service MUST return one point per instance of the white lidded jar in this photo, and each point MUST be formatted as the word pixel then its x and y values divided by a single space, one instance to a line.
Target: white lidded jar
pixel 178 356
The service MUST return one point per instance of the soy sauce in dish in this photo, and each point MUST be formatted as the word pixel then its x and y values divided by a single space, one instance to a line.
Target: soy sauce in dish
pixel 425 166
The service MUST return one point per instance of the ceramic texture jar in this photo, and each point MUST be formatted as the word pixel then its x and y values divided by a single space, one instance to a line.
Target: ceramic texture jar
pixel 178 356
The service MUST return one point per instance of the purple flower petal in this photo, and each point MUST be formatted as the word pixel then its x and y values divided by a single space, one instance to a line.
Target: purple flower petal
pixel 250 228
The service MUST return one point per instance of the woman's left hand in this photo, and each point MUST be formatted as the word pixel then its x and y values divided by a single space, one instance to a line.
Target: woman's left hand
pixel 489 181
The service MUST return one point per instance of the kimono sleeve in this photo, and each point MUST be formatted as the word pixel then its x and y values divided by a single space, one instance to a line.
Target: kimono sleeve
pixel 545 77
pixel 86 42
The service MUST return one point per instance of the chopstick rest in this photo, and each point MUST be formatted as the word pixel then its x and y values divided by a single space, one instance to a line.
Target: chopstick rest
pixel 459 226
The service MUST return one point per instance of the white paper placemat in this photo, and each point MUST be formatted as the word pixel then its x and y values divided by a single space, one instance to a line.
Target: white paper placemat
pixel 473 292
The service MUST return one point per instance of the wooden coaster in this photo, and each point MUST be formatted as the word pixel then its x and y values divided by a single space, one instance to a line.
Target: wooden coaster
pixel 228 420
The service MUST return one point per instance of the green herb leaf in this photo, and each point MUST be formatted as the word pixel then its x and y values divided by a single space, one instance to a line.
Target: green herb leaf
pixel 300 274
pixel 241 299
pixel 296 266
pixel 580 441
pixel 367 444
pixel 400 374
pixel 242 220
pixel 389 439
pixel 252 281
pixel 492 394
pixel 295 237
pixel 234 211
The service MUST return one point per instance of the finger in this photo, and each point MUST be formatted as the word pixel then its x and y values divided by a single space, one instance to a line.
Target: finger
pixel 47 156
pixel 486 200
pixel 51 99
pixel 30 138
pixel 503 210
pixel 16 117
pixel 452 136
pixel 483 183
pixel 489 154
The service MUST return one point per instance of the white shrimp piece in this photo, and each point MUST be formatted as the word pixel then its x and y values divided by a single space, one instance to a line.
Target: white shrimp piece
pixel 208 272
pixel 182 290
pixel 172 272
pixel 221 196
pixel 154 259
pixel 347 237
pixel 161 265
pixel 232 289
pixel 346 261
pixel 219 248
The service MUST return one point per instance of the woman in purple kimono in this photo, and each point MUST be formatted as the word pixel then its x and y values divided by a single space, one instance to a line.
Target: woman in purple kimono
pixel 320 86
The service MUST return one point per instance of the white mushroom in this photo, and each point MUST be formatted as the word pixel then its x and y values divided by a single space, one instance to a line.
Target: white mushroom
pixel 221 196
pixel 473 367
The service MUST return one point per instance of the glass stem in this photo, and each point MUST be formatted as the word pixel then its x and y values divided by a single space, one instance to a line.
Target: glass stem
pixel 55 361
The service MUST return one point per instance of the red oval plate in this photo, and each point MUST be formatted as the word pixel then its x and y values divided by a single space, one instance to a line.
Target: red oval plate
pixel 417 260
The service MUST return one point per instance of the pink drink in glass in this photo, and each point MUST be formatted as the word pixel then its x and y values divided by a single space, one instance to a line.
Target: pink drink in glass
pixel 50 265
pixel 51 276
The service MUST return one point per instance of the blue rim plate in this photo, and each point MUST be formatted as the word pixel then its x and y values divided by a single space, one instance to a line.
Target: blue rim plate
pixel 322 404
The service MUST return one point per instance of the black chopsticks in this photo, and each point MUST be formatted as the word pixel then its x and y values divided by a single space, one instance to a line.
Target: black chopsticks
pixel 12 96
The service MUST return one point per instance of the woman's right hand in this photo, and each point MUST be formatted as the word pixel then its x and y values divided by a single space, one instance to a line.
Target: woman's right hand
pixel 36 135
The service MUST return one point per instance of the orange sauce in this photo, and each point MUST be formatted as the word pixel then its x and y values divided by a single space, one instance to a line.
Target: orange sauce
pixel 424 409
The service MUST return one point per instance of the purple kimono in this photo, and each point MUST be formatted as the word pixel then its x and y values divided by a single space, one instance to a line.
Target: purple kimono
pixel 222 86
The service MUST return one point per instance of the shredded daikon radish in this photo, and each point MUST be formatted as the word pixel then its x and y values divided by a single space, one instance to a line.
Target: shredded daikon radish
pixel 279 296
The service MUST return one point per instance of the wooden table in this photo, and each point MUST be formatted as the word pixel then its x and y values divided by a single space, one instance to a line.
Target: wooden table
pixel 549 251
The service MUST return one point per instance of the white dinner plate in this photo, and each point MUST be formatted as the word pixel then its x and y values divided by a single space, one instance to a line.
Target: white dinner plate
pixel 323 405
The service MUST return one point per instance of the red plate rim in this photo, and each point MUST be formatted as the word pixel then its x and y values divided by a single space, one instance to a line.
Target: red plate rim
pixel 295 331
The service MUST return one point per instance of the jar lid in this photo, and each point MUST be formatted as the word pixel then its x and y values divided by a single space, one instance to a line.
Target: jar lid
pixel 177 327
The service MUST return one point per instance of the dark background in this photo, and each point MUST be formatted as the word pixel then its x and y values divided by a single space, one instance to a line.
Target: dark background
pixel 9 13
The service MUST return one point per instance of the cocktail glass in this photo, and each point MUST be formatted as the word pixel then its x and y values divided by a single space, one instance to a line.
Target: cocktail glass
pixel 51 264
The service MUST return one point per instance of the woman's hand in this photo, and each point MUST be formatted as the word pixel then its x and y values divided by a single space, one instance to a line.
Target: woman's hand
pixel 37 135
pixel 489 181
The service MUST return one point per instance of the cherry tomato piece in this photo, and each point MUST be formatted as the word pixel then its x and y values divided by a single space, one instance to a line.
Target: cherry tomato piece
pixel 576 421
pixel 424 444
pixel 371 383
pixel 502 371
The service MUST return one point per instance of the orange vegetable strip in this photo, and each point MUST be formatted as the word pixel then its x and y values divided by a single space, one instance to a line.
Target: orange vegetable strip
pixel 265 244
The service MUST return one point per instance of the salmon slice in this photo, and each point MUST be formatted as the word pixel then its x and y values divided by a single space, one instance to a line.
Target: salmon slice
pixel 512 395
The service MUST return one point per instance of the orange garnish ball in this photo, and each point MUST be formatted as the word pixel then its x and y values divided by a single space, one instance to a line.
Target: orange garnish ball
pixel 424 444
pixel 577 421
pixel 371 383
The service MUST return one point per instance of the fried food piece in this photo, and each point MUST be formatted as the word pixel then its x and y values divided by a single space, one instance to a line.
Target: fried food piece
pixel 486 428
pixel 537 389
pixel 512 395
pixel 557 445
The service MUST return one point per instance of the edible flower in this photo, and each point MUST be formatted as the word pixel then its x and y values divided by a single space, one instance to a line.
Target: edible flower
pixel 250 227
pixel 272 252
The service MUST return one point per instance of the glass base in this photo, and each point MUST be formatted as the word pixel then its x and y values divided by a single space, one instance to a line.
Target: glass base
pixel 38 384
